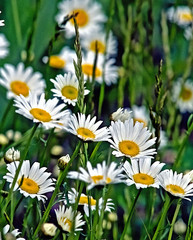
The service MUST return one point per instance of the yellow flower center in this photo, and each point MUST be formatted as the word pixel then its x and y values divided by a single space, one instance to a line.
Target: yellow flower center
pixel 186 17
pixel 67 221
pixel 82 18
pixel 108 180
pixel 70 92
pixel 88 70
pixel 129 148
pixel 186 94
pixel 84 200
pixel 140 120
pixel 143 179
pixel 85 133
pixel 97 178
pixel 19 87
pixel 56 62
pixel 97 45
pixel 28 185
pixel 175 189
pixel 41 115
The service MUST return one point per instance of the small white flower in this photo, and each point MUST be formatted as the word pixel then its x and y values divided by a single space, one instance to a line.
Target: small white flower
pixel 12 155
pixel 40 110
pixel 86 128
pixel 178 185
pixel 15 232
pixel 21 80
pixel 141 173
pixel 188 33
pixel 101 175
pixel 89 16
pixel 121 114
pixel 140 114
pixel 3 46
pixel 49 229
pixel 65 218
pixel 66 87
pixel 131 140
pixel 32 181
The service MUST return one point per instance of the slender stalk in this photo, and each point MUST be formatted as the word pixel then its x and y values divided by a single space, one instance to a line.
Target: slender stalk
pixel 16 21
pixel 162 218
pixel 174 218
pixel 5 115
pixel 60 180
pixel 130 215
pixel 190 226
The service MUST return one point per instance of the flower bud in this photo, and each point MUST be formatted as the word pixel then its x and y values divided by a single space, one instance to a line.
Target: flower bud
pixel 49 229
pixel 180 227
pixel 3 139
pixel 112 216
pixel 12 155
pixel 63 161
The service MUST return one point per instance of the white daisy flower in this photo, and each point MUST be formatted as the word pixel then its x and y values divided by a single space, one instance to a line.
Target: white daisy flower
pixel 188 33
pixel 141 173
pixel 88 200
pixel 20 80
pixel 66 87
pixel 121 114
pixel 99 39
pixel 178 185
pixel 38 110
pixel 62 59
pixel 101 175
pixel 183 95
pixel 2 22
pixel 15 232
pixel 131 140
pixel 32 181
pixel 181 15
pixel 3 46
pixel 140 114
pixel 86 128
pixel 66 217
pixel 89 16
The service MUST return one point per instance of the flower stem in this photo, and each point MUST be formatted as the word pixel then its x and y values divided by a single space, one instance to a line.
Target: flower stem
pixel 130 215
pixel 189 232
pixel 174 218
pixel 16 21
pixel 6 113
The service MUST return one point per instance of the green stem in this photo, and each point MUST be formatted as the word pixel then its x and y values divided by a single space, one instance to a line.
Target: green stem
pixel 16 21
pixel 162 218
pixel 130 215
pixel 174 218
pixel 58 184
pixel 190 227
pixel 93 154
pixel 5 115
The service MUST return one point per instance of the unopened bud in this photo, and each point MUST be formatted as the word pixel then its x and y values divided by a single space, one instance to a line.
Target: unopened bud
pixel 49 229
pixel 3 139
pixel 56 150
pixel 180 227
pixel 112 216
pixel 12 155
pixel 10 236
pixel 63 161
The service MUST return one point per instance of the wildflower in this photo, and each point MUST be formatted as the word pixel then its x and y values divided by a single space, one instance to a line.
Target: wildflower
pixel 49 229
pixel 1 22
pixel 131 140
pixel 183 95
pixel 21 81
pixel 31 182
pixel 61 60
pixel 38 110
pixel 181 15
pixel 66 87
pixel 63 161
pixel 12 155
pixel 86 128
pixel 178 185
pixel 141 173
pixel 89 16
pixel 121 114
pixel 65 218
pixel 140 114
pixel 88 200
pixel 98 39
pixel 13 233
pixel 3 46
pixel 101 175
pixel 188 33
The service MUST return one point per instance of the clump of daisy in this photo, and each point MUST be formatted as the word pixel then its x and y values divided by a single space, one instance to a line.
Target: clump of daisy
pixel 61 60
pixel 86 128
pixel 141 173
pixel 101 175
pixel 20 80
pixel 4 44
pixel 89 16
pixel 178 185
pixel 131 140
pixel 121 114
pixel 13 233
pixel 41 111
pixel 66 87
pixel 32 181
pixel 1 22
pixel 181 15
pixel 183 95
pixel 66 217
pixel 85 201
